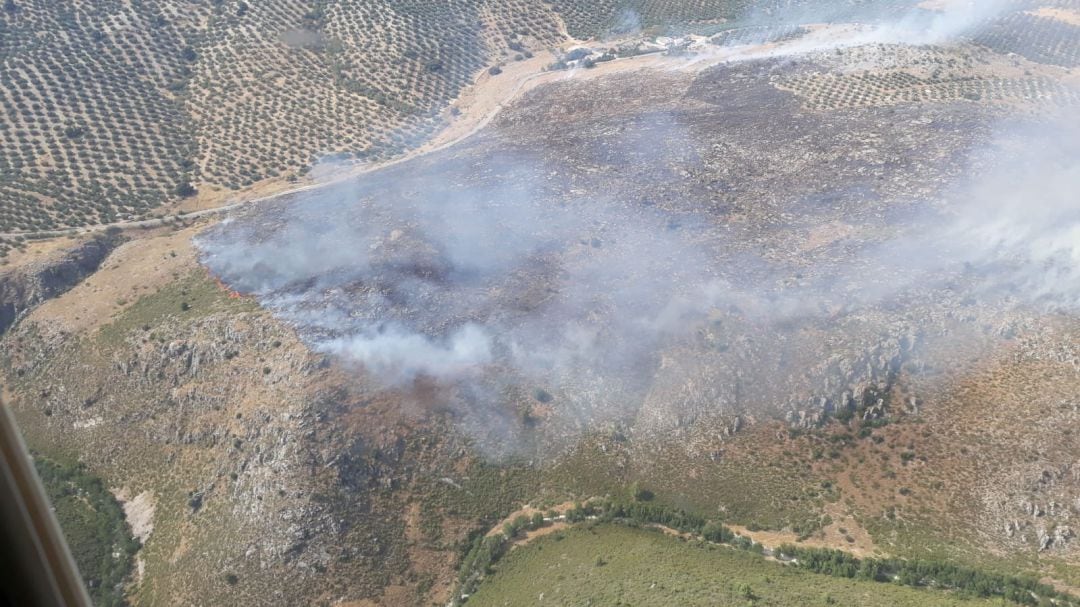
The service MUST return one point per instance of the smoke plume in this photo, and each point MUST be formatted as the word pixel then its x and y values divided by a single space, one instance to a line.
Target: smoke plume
pixel 491 276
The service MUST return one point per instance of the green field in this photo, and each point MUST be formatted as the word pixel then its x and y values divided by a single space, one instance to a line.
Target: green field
pixel 617 565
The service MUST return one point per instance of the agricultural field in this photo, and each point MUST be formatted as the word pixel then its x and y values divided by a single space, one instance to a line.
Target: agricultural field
pixel 1043 39
pixel 91 131
pixel 614 565
pixel 824 92
pixel 111 111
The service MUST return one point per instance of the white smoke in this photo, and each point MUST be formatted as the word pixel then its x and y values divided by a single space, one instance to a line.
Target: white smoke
pixel 831 26
pixel 1019 224
pixel 399 356
pixel 415 272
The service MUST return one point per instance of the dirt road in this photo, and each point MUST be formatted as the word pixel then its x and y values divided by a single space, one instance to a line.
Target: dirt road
pixel 476 108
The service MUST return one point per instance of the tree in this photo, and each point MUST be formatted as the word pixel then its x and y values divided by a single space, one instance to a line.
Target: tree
pixel 537 520
pixel 717 533
pixel 640 493
pixel 185 190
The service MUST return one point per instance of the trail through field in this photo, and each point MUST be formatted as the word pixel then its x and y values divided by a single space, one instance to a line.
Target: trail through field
pixel 478 106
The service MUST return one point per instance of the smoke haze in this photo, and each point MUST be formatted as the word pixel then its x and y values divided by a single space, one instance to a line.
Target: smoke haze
pixel 489 273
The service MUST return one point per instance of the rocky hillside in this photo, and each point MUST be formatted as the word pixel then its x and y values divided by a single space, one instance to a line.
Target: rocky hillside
pixel 255 471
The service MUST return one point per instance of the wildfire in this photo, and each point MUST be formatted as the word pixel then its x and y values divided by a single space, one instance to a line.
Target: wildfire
pixel 224 287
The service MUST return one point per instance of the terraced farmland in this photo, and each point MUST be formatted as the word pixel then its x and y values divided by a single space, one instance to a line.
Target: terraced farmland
pixel 91 131
pixel 350 77
pixel 1039 39
pixel 110 110
pixel 830 92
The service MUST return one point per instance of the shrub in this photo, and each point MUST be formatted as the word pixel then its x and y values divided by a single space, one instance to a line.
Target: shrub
pixel 185 190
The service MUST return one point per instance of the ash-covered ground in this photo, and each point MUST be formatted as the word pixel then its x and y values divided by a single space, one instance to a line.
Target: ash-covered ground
pixel 647 250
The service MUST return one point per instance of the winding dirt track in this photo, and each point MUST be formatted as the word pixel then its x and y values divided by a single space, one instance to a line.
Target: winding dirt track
pixel 482 102
pixel 473 125
pixel 473 118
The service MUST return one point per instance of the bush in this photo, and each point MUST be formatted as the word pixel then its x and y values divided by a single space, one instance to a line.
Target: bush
pixel 641 494
pixel 717 533
pixel 186 190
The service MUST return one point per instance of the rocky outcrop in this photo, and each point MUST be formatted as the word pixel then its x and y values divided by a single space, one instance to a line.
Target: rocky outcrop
pixel 26 286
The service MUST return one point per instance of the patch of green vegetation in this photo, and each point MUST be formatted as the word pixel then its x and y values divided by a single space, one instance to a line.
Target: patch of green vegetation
pixel 94 526
pixel 616 565
pixel 926 538
pixel 745 487
pixel 961 581
pixel 1022 590
pixel 484 495
pixel 188 298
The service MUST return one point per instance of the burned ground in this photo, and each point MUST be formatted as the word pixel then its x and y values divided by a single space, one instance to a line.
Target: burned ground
pixel 737 258
pixel 708 217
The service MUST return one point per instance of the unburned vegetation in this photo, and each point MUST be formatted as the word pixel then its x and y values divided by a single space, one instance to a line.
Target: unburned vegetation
pixel 625 566
pixel 93 524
